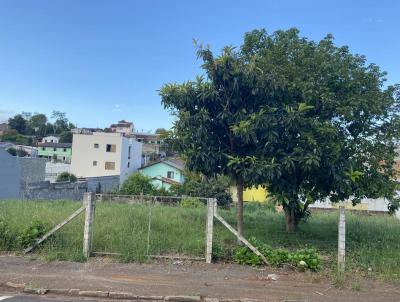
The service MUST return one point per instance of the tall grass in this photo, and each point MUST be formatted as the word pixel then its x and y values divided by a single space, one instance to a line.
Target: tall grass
pixel 372 243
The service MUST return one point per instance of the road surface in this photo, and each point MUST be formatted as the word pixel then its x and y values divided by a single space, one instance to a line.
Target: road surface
pixel 17 298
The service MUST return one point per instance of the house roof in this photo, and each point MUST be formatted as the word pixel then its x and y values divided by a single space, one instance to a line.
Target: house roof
pixel 173 162
pixel 122 123
pixel 55 145
pixel 166 180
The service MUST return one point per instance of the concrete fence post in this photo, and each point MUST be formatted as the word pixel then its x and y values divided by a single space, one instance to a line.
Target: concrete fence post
pixel 341 239
pixel 210 228
pixel 89 202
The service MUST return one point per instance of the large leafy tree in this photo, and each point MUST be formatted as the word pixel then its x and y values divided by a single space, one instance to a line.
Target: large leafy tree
pixel 308 119
pixel 206 110
pixel 18 123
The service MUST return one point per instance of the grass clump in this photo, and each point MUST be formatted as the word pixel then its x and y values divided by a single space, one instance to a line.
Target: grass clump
pixel 307 258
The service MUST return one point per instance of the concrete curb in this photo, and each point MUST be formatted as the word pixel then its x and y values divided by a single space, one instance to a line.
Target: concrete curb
pixel 21 287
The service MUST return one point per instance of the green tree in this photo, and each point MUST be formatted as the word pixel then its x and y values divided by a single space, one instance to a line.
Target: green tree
pixel 309 119
pixel 37 124
pixel 198 186
pixel 61 122
pixel 137 184
pixel 66 137
pixel 66 176
pixel 206 110
pixel 18 123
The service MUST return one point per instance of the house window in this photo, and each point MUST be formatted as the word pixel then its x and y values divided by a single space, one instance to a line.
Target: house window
pixel 43 148
pixel 170 174
pixel 111 148
pixel 129 164
pixel 110 165
pixel 96 146
pixel 129 152
pixel 63 158
pixel 94 163
pixel 65 149
pixel 55 149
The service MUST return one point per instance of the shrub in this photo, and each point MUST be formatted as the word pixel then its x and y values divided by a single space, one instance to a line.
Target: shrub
pixel 33 232
pixel 303 259
pixel 65 176
pixel 213 187
pixel 192 203
pixel 137 184
pixel 12 151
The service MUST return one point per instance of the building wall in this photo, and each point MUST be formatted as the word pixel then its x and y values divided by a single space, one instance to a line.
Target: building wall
pixel 32 170
pixel 258 194
pixel 161 169
pixel 134 158
pixel 10 176
pixel 84 154
pixel 50 139
pixel 55 169
pixel 49 152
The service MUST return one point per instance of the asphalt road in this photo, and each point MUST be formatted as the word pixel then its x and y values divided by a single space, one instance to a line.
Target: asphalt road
pixel 9 298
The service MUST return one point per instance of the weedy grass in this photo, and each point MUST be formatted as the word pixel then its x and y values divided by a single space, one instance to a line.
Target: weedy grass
pixel 372 242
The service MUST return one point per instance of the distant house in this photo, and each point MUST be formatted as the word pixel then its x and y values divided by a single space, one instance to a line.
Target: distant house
pixel 3 128
pixel 58 152
pixel 122 127
pixel 258 194
pixel 105 154
pixel 50 139
pixel 165 173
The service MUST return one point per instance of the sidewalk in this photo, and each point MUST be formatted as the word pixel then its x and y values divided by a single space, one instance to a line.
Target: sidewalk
pixel 177 278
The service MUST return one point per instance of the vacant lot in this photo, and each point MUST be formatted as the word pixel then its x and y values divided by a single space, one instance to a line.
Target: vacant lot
pixel 373 242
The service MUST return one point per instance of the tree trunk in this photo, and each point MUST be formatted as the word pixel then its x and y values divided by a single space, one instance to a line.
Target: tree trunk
pixel 291 220
pixel 239 206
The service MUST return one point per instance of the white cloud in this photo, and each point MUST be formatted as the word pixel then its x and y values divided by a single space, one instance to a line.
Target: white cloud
pixel 117 108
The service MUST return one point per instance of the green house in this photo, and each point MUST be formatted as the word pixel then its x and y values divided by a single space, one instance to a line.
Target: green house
pixel 60 152
pixel 165 173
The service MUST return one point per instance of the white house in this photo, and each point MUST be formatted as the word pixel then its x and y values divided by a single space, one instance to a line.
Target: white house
pixel 105 154
pixel 50 139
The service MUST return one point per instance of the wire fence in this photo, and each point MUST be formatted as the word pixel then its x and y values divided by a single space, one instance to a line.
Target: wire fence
pixel 138 227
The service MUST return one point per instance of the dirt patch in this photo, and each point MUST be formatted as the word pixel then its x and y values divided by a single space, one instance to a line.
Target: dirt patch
pixel 189 278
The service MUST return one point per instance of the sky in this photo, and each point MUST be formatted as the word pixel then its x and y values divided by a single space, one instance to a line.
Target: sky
pixel 103 61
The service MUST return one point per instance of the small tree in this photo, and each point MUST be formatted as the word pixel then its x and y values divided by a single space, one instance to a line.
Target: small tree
pixel 137 184
pixel 212 187
pixel 66 137
pixel 18 123
pixel 66 176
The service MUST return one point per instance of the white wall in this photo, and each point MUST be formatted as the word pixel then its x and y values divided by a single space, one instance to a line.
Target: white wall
pixel 55 169
pixel 134 159
pixel 84 153
pixel 50 139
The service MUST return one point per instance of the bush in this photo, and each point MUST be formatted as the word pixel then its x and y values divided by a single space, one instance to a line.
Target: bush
pixel 12 151
pixel 192 203
pixel 137 184
pixel 302 259
pixel 214 187
pixel 33 232
pixel 65 176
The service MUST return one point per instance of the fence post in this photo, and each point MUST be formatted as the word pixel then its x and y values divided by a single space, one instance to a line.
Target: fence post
pixel 210 227
pixel 89 202
pixel 341 239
